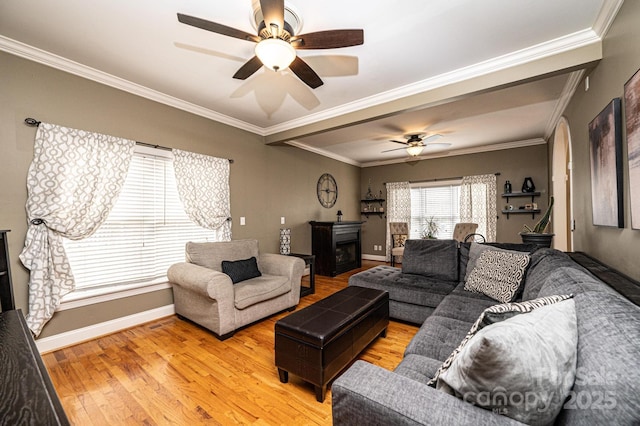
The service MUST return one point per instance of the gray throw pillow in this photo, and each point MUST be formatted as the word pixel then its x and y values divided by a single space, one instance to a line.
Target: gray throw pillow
pixel 493 314
pixel 241 270
pixel 523 367
pixel 498 274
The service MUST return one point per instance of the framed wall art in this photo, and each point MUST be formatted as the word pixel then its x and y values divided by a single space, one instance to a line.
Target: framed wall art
pixel 632 120
pixel 605 147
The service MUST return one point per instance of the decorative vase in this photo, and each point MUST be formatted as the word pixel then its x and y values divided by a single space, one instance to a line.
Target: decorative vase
pixel 285 240
pixel 507 187
pixel 543 240
pixel 527 185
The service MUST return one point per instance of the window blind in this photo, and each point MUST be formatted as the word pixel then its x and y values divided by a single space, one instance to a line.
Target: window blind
pixel 144 234
pixel 437 200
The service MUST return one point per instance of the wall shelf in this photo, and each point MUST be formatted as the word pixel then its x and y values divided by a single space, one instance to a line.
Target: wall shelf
pixel 533 195
pixel 370 210
pixel 522 211
pixel 508 195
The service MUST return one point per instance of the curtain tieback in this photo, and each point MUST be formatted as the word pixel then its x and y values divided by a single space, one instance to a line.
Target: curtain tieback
pixel 36 221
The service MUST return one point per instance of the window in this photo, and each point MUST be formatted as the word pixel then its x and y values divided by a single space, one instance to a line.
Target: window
pixel 145 232
pixel 437 200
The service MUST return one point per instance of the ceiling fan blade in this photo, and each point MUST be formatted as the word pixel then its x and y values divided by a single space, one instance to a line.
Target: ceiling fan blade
pixel 305 73
pixel 330 39
pixel 438 145
pixel 273 13
pixel 403 143
pixel 432 138
pixel 216 28
pixel 394 149
pixel 251 66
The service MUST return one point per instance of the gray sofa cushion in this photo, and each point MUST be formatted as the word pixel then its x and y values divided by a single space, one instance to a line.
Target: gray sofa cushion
pixel 607 383
pixel 438 337
pixel 464 308
pixel 255 290
pixel 543 263
pixel 431 258
pixel 409 288
pixel 417 367
pixel 522 367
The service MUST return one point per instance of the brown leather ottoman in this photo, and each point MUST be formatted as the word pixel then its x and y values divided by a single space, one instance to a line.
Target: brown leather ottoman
pixel 319 341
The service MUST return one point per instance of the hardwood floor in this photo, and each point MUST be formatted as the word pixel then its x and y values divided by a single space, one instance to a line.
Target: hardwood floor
pixel 173 372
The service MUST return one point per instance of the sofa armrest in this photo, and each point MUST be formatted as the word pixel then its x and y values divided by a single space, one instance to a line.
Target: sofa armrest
pixel 201 280
pixel 281 265
pixel 368 394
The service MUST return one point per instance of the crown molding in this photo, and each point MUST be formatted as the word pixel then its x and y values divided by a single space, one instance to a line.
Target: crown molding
pixel 324 153
pixel 58 62
pixel 569 89
pixel 560 45
pixel 606 17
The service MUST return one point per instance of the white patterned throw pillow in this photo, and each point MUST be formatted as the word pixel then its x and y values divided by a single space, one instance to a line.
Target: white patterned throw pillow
pixel 498 274
pixel 492 315
pixel 522 367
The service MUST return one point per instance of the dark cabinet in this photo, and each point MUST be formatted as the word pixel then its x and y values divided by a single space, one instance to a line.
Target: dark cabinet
pixel 337 246
pixel 6 288
pixel 28 396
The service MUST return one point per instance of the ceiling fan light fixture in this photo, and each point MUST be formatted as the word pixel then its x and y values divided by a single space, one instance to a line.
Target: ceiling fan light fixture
pixel 415 150
pixel 275 54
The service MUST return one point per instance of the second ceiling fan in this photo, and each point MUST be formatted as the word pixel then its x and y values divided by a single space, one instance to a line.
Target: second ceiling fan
pixel 277 43
pixel 416 142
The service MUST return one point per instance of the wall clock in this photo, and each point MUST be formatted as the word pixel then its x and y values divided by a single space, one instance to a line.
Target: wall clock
pixel 327 190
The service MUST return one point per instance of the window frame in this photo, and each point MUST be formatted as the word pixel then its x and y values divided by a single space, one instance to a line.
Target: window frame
pixel 98 294
pixel 432 184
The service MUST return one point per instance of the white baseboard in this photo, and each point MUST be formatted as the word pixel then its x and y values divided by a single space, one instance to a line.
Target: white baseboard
pixel 59 341
pixel 374 257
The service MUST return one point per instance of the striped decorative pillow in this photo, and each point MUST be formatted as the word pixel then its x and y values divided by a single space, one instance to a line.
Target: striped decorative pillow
pixel 495 314
pixel 498 274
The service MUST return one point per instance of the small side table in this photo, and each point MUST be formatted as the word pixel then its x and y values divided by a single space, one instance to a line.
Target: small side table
pixel 309 259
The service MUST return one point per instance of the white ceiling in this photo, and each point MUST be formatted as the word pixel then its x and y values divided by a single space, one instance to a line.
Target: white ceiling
pixel 412 47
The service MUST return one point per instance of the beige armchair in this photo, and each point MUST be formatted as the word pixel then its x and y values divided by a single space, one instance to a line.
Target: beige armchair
pixel 205 295
pixel 399 232
pixel 463 229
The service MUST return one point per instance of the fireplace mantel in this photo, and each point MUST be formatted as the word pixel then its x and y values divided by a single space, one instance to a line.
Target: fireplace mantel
pixel 337 246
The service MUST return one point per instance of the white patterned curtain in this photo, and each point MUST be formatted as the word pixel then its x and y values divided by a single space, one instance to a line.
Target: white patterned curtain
pixel 73 182
pixel 478 203
pixel 398 207
pixel 203 186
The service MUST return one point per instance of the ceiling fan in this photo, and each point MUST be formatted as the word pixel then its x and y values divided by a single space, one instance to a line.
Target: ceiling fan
pixel 416 142
pixel 276 42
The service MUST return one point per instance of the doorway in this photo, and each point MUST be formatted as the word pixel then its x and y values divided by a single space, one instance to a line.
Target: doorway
pixel 562 217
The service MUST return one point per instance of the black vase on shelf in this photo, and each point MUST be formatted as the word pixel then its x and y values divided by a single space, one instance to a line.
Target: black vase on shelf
pixel 507 187
pixel 527 185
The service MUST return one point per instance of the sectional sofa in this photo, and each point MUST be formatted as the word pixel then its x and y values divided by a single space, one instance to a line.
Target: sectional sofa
pixel 569 357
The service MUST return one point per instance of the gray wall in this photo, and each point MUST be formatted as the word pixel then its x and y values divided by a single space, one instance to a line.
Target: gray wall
pixel 618 248
pixel 513 164
pixel 267 182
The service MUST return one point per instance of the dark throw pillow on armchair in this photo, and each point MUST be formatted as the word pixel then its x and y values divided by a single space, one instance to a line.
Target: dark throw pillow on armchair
pixel 241 270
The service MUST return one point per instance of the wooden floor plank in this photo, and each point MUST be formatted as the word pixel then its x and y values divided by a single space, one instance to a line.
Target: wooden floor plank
pixel 174 372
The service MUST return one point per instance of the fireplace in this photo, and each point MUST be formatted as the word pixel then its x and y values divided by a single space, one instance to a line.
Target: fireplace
pixel 337 246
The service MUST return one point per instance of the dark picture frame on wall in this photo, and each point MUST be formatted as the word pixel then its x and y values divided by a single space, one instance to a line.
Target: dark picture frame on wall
pixel 632 121
pixel 605 148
